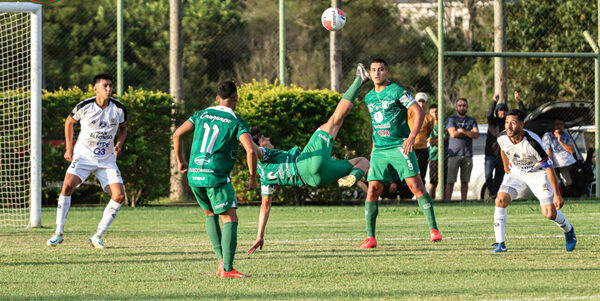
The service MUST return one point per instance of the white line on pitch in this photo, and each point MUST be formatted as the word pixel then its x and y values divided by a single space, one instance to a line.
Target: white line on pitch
pixel 417 238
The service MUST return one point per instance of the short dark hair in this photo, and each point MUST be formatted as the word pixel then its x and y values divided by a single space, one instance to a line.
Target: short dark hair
pixel 462 98
pixel 98 77
pixel 380 60
pixel 256 134
pixel 226 89
pixel 433 106
pixel 516 112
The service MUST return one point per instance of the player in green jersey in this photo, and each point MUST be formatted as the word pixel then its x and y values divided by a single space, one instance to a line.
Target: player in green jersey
pixel 312 166
pixel 214 151
pixel 393 142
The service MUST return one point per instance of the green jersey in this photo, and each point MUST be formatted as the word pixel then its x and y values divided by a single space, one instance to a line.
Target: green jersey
pixel 278 167
pixel 389 115
pixel 215 146
pixel 433 150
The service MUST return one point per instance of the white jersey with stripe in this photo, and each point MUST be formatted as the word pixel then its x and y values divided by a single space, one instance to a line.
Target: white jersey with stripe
pixel 527 155
pixel 98 129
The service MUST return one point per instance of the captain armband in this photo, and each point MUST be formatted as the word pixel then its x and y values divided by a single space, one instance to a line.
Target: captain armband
pixel 546 163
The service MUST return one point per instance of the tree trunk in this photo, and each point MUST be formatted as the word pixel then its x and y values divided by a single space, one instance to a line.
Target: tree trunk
pixel 500 83
pixel 178 180
pixel 335 55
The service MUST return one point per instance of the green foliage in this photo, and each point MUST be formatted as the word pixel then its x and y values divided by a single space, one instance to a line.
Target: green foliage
pixel 144 163
pixel 289 116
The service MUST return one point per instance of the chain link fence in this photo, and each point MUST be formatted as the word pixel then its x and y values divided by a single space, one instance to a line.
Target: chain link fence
pixel 239 40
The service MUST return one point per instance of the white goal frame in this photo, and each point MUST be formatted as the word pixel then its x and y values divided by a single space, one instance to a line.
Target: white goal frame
pixel 35 205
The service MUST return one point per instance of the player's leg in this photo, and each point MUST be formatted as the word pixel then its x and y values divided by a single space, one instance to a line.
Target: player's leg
pixel 223 201
pixel 360 166
pixel 543 191
pixel 75 175
pixel 111 181
pixel 213 229
pixel 371 211
pixel 503 198
pixel 333 125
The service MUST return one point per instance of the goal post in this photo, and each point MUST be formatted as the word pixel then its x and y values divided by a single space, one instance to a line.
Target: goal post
pixel 20 87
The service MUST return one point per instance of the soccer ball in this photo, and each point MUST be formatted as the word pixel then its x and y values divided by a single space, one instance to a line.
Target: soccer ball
pixel 333 19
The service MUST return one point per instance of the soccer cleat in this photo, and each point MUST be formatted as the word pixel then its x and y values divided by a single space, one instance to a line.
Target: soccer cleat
pixel 435 235
pixel 500 247
pixel 96 242
pixel 369 243
pixel 55 240
pixel 347 181
pixel 570 240
pixel 233 274
pixel 220 268
pixel 362 72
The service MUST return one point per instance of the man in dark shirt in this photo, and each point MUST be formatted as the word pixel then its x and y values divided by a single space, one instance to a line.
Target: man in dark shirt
pixel 494 171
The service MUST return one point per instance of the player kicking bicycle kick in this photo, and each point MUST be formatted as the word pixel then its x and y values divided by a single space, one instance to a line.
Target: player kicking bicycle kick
pixel 312 166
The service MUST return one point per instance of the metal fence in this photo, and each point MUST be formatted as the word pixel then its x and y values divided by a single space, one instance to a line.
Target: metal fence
pixel 239 40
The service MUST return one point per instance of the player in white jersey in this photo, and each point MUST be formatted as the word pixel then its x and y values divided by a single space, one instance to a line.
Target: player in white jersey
pixel 527 165
pixel 100 118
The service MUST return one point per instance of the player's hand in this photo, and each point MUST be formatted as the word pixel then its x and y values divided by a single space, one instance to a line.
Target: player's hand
pixel 497 97
pixel 258 244
pixel 118 150
pixel 558 201
pixel 69 155
pixel 251 183
pixel 407 145
pixel 517 96
pixel 183 166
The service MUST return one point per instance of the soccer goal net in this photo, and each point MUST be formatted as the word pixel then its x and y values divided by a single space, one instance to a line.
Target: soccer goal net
pixel 20 115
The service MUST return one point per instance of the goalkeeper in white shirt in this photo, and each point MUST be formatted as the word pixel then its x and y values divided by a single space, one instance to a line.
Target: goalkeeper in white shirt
pixel 527 164
pixel 96 151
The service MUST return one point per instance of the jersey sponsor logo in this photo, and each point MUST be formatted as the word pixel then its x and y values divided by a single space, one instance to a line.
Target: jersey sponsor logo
pixel 99 151
pixel 202 170
pixel 386 125
pixel 206 115
pixel 104 136
pixel 103 144
pixel 383 133
pixel 201 160
pixel 198 178
pixel 378 117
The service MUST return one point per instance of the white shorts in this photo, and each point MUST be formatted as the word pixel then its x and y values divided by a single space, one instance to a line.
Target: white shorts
pixel 106 172
pixel 537 181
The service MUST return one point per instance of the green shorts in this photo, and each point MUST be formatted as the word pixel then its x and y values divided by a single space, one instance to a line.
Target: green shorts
pixel 315 165
pixel 385 161
pixel 216 199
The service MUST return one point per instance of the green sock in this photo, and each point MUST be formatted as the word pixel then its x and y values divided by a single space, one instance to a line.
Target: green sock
pixel 426 206
pixel 371 211
pixel 229 244
pixel 353 90
pixel 214 234
pixel 358 173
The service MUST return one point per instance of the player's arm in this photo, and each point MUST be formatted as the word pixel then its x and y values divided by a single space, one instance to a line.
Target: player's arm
pixel 505 162
pixel 265 209
pixel 120 139
pixel 417 111
pixel 181 130
pixel 69 125
pixel 251 158
pixel 558 200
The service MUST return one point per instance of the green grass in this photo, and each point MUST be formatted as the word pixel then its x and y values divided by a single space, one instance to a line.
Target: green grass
pixel 159 253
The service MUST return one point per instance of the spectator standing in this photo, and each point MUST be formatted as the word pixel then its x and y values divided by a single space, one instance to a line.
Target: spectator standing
pixel 462 129
pixel 494 171
pixel 421 149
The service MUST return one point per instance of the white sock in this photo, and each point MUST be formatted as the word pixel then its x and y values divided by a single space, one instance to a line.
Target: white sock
pixel 500 224
pixel 64 203
pixel 562 222
pixel 107 218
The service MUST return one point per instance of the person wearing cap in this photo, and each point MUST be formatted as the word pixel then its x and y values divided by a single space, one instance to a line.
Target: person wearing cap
pixel 494 171
pixel 421 149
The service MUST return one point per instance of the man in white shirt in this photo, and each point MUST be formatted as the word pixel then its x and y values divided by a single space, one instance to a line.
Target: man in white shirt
pixel 527 165
pixel 100 118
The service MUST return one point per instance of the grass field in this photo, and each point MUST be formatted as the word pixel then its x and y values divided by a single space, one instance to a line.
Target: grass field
pixel 159 253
